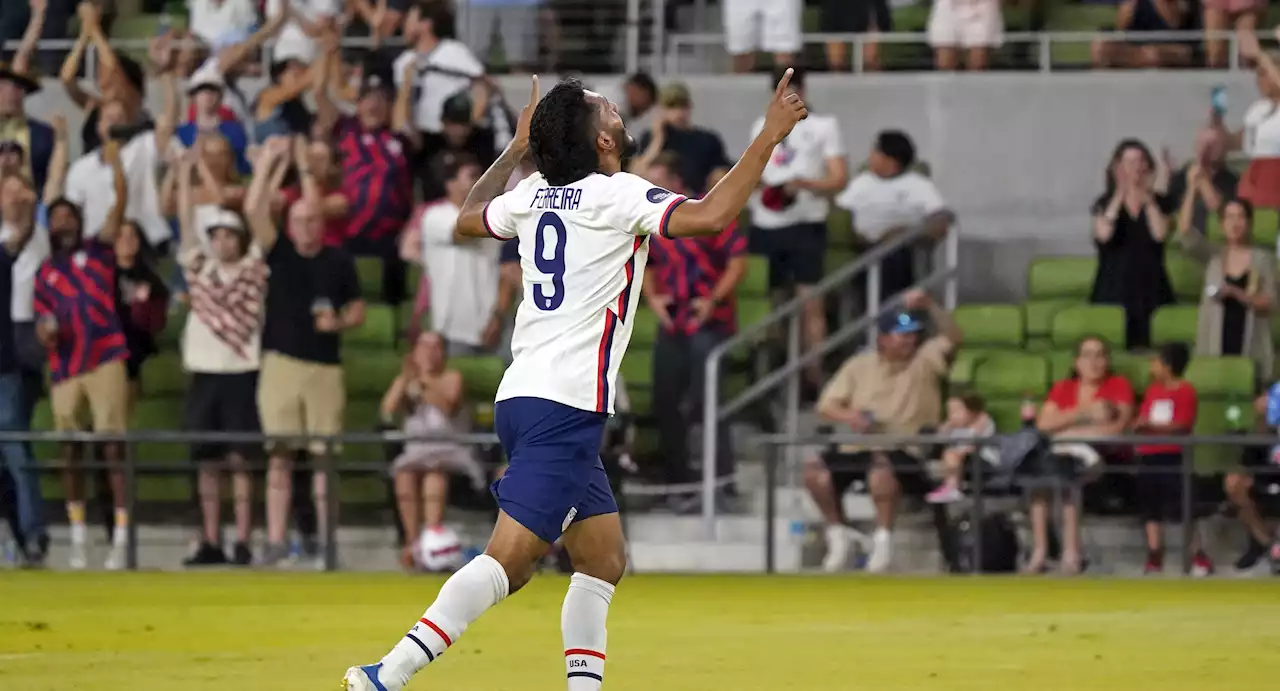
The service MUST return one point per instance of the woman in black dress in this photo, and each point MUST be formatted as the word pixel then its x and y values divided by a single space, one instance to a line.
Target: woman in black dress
pixel 1129 228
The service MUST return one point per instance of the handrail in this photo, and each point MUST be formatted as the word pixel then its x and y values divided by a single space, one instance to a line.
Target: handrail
pixel 868 263
pixel 890 440
pixel 1045 40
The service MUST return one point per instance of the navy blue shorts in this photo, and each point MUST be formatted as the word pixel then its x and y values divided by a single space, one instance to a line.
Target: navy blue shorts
pixel 554 477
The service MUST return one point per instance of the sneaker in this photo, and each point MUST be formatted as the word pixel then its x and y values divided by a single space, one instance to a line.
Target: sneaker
pixel 78 560
pixel 363 679
pixel 206 555
pixel 1252 555
pixel 946 494
pixel 837 549
pixel 1201 565
pixel 1155 564
pixel 116 558
pixel 881 551
pixel 240 555
pixel 273 555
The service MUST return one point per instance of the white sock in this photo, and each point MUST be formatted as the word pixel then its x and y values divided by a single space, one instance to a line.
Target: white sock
pixel 582 623
pixel 882 535
pixel 475 588
pixel 836 533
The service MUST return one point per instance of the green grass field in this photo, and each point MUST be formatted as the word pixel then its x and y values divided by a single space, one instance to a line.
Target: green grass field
pixel 296 632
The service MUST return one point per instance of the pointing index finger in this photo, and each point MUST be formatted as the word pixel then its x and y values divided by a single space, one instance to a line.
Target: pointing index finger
pixel 533 92
pixel 782 84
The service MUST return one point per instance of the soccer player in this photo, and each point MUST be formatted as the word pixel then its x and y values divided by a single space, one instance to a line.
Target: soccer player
pixel 582 225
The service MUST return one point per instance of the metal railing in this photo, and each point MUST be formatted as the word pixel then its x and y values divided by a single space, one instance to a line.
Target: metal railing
pixel 981 474
pixel 715 413
pixel 678 44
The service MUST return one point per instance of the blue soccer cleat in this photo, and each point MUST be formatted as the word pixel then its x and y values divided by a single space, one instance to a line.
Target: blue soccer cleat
pixel 363 679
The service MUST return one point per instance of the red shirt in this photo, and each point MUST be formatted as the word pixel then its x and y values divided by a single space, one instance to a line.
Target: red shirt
pixel 1175 407
pixel 1115 389
pixel 688 268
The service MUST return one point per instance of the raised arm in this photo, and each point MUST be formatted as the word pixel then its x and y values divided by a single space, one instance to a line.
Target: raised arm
pixel 182 173
pixel 91 21
pixel 115 219
pixel 494 180
pixel 58 160
pixel 402 111
pixel 22 59
pixel 161 54
pixel 69 75
pixel 233 56
pixel 257 204
pixel 326 110
pixel 723 204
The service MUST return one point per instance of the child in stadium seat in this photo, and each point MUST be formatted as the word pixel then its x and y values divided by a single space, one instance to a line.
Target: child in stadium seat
pixel 967 418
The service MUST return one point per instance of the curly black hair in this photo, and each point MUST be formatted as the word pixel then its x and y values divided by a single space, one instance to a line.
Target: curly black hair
pixel 562 134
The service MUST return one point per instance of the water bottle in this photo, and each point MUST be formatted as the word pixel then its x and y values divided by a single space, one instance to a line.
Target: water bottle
pixel 1027 412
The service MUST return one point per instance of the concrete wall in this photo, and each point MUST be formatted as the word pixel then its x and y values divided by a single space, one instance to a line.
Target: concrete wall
pixel 1019 156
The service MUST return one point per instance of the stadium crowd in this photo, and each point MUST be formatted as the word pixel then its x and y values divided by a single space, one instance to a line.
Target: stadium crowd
pixel 248 214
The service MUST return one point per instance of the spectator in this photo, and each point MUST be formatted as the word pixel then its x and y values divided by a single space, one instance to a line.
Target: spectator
pixel 142 302
pixel 1168 408
pixel 221 343
pixel 866 17
pixel 462 137
pixel 221 22
pixel 890 198
pixel 689 284
pixel 701 151
pixel 281 109
pixel 1239 484
pixel 1129 229
pixel 1223 15
pixel 32 139
pixel 429 394
pixel 18 217
pixel 142 152
pixel 1093 401
pixel 975 26
pixel 375 19
pixel 375 146
pixel 308 22
pixel 895 389
pixel 515 22
pixel 436 67
pixel 1259 139
pixel 214 168
pixel 772 26
pixel 205 91
pixel 641 96
pixel 966 418
pixel 313 295
pixel 121 79
pixel 463 272
pixel 334 206
pixel 1240 286
pixel 224 69
pixel 790 211
pixel 1216 184
pixel 1146 16
pixel 76 322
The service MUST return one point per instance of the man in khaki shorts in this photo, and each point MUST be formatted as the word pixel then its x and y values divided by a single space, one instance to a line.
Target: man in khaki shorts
pixel 312 296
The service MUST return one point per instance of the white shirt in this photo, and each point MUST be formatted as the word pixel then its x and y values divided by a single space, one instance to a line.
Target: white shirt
pixel 443 72
pixel 1262 130
pixel 879 204
pixel 216 21
pixel 25 267
pixel 802 155
pixel 91 185
pixel 582 254
pixel 463 275
pixel 202 351
pixel 293 43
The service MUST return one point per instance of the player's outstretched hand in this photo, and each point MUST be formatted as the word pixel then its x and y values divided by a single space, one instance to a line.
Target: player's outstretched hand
pixel 785 110
pixel 521 140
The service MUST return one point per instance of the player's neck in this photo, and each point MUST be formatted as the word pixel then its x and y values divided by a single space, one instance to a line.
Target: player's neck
pixel 610 165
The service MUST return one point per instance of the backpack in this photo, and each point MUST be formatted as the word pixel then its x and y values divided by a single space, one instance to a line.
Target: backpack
pixel 1000 547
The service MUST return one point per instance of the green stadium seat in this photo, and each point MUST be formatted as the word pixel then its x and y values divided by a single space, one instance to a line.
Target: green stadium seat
pixel 1012 374
pixel 1186 276
pixel 964 364
pixel 378 330
pixel 645 328
pixel 1135 367
pixel 1223 377
pixel 481 375
pixel 991 325
pixel 1175 324
pixel 369 275
pixel 1216 417
pixel 1038 315
pixel 1061 278
pixel 641 400
pixel 1073 324
pixel 358 418
pixel 1061 364
pixel 173 484
pixel 752 312
pixel 840 229
pixel 1006 413
pixel 1266 228
pixel 835 259
pixel 162 375
pixel 368 374
pixel 756 283
pixel 171 337
pixel 637 369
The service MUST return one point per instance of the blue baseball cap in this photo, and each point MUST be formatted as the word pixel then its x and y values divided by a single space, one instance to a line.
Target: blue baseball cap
pixel 900 323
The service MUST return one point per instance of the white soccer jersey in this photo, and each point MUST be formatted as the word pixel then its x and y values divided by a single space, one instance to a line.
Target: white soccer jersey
pixel 582 253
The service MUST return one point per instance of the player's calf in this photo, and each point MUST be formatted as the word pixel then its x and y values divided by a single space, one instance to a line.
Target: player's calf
pixel 598 551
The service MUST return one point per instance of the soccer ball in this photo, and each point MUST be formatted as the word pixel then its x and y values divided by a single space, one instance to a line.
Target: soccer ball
pixel 439 549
